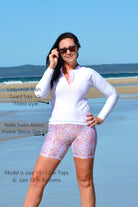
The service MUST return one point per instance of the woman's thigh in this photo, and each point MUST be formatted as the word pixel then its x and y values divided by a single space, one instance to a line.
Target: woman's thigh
pixel 84 168
pixel 43 170
pixel 84 145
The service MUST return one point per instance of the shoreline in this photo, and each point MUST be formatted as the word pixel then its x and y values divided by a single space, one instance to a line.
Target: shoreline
pixel 113 80
pixel 24 92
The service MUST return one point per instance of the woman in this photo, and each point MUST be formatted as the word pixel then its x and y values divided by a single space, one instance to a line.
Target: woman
pixel 71 122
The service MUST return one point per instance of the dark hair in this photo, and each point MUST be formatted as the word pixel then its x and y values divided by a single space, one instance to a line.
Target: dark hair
pixel 60 63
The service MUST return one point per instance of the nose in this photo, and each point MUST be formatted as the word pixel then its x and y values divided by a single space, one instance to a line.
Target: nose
pixel 68 51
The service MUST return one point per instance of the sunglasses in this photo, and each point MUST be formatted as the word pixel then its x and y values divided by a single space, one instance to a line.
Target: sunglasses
pixel 64 50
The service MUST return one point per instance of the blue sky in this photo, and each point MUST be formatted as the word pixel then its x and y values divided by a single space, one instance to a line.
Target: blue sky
pixel 107 30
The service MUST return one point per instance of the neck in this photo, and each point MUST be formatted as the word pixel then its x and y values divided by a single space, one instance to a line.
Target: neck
pixel 70 67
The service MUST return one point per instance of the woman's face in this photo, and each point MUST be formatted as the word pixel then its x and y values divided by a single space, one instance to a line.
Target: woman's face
pixel 69 55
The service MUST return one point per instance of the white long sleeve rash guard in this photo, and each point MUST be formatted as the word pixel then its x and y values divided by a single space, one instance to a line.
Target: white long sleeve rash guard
pixel 69 98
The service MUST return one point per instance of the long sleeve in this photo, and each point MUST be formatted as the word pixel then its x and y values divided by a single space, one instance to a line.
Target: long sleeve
pixel 43 87
pixel 107 90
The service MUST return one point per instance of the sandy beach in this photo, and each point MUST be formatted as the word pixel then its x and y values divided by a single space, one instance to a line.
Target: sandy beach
pixel 25 92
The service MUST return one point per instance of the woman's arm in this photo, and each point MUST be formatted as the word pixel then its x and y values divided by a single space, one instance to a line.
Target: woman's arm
pixel 107 90
pixel 43 87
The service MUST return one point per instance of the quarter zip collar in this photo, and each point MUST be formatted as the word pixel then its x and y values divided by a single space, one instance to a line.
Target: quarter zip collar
pixel 77 67
pixel 71 75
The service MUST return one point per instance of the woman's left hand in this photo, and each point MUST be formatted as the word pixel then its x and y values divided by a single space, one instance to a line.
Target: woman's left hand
pixel 92 120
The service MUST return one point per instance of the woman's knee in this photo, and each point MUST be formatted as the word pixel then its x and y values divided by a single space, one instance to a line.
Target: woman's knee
pixel 38 180
pixel 85 180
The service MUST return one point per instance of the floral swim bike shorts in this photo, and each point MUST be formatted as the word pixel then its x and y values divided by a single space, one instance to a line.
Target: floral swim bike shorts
pixel 82 138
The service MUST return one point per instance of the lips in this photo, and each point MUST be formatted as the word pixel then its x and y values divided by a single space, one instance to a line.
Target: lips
pixel 69 56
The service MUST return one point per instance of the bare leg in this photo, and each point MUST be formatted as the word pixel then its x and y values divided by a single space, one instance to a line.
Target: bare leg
pixel 84 173
pixel 43 171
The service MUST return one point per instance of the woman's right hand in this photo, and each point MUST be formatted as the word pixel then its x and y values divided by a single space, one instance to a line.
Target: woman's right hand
pixel 53 58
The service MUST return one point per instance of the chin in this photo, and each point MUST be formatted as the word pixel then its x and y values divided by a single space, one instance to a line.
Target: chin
pixel 70 60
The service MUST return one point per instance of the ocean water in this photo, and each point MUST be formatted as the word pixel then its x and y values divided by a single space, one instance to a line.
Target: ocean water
pixel 19 80
pixel 115 167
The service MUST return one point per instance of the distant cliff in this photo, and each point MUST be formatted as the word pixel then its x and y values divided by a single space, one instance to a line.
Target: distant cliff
pixel 38 70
